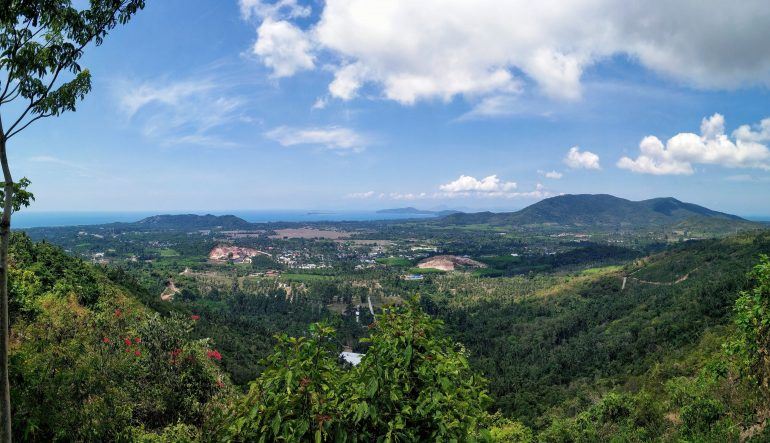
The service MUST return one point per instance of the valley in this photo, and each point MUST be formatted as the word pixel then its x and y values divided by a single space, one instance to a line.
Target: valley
pixel 555 312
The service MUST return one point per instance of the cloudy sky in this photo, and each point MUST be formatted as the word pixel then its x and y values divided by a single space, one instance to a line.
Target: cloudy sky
pixel 361 104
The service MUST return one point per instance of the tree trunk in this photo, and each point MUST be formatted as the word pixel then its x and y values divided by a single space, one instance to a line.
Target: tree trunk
pixel 5 234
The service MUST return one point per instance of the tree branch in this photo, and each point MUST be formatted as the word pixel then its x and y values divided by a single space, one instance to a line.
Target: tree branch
pixel 12 129
pixel 37 117
pixel 34 103
pixel 12 95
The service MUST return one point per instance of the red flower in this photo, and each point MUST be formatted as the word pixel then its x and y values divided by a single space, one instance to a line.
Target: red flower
pixel 214 354
pixel 106 340
pixel 127 341
pixel 138 340
pixel 118 313
pixel 195 317
pixel 220 384
pixel 137 353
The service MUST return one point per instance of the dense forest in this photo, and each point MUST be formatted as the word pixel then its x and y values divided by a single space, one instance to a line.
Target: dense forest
pixel 580 357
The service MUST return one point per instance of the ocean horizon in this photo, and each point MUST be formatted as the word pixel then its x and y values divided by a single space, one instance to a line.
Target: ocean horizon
pixel 35 219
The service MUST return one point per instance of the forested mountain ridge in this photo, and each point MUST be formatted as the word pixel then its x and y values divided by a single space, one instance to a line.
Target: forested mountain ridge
pixel 597 210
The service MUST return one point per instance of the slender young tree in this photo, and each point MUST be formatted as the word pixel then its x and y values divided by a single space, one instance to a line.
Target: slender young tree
pixel 41 43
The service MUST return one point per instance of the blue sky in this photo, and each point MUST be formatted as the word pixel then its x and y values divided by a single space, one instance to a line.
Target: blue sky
pixel 349 104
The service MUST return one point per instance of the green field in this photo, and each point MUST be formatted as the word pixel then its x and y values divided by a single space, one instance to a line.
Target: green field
pixel 394 261
pixel 168 252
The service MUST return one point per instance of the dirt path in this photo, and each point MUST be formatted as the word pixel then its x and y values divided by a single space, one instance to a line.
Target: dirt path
pixel 369 300
pixel 657 283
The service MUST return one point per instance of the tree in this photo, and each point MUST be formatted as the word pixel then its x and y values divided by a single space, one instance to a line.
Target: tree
pixel 752 343
pixel 41 43
pixel 413 384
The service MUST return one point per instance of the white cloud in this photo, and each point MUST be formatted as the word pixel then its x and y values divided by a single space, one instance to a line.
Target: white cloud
pixel 468 184
pixel 280 8
pixel 332 137
pixel 712 146
pixel 759 133
pixel 494 106
pixel 283 47
pixel 409 196
pixel 576 159
pixel 181 112
pixel 361 195
pixel 134 97
pixel 487 187
pixel 551 174
pixel 438 49
pixel 490 187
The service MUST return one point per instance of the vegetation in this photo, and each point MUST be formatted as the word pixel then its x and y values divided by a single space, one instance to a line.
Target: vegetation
pixel 574 337
pixel 413 384
pixel 41 44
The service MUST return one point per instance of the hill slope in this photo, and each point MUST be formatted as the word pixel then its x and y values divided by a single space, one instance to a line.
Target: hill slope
pixel 193 221
pixel 601 210
pixel 558 342
pixel 90 362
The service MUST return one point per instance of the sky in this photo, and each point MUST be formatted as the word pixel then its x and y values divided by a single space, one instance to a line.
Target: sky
pixel 360 104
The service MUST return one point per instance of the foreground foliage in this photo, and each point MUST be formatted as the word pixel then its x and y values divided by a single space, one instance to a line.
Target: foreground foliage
pixel 89 363
pixel 413 384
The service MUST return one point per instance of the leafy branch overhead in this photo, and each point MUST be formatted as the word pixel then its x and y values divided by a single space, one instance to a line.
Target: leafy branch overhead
pixel 42 43
pixel 21 197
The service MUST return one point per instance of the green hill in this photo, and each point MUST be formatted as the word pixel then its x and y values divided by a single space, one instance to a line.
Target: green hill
pixel 604 211
pixel 552 345
pixel 193 221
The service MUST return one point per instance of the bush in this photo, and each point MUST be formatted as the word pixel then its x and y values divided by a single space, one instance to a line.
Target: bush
pixel 413 384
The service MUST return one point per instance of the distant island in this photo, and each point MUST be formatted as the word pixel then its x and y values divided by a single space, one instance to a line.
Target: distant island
pixel 415 211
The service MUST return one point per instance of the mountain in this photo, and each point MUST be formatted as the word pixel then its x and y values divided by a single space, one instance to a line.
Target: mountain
pixel 414 211
pixel 193 221
pixel 602 210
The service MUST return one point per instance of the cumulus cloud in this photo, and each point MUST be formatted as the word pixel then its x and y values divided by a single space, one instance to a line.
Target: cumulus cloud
pixel 551 174
pixel 712 146
pixel 576 159
pixel 467 184
pixel 283 47
pixel 486 48
pixel 332 137
pixel 758 133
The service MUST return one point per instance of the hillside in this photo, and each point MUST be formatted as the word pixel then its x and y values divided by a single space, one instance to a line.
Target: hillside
pixel 605 211
pixel 552 344
pixel 193 221
pixel 89 361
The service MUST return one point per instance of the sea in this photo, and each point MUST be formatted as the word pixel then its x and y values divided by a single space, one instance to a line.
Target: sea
pixel 34 219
